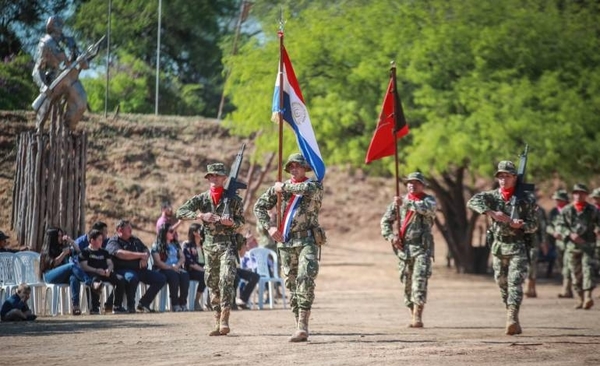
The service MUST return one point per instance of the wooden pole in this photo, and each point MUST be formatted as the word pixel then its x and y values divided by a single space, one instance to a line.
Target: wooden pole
pixel 280 118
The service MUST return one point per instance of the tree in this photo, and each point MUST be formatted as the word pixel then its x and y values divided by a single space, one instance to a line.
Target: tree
pixel 17 91
pixel 477 79
pixel 191 38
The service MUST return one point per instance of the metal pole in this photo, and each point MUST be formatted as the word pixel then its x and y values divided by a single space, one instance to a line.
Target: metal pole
pixel 158 58
pixel 107 59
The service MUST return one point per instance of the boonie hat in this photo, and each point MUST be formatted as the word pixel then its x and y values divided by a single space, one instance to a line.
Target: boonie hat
pixel 561 194
pixel 506 166
pixel 216 168
pixel 595 193
pixel 418 176
pixel 297 158
pixel 580 187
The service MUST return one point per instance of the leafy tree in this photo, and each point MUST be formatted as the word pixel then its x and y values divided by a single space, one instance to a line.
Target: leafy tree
pixel 17 91
pixel 190 46
pixel 478 78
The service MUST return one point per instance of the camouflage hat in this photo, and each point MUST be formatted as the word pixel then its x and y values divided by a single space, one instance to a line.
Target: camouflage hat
pixel 561 194
pixel 580 187
pixel 595 193
pixel 216 168
pixel 418 176
pixel 297 158
pixel 506 166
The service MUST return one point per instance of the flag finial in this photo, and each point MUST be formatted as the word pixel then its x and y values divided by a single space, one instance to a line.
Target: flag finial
pixel 281 21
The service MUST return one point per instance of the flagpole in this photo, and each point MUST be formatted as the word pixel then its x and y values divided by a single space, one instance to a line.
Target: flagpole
pixel 394 131
pixel 280 115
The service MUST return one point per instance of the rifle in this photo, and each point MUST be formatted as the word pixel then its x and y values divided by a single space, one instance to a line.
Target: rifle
pixel 233 184
pixel 47 91
pixel 521 190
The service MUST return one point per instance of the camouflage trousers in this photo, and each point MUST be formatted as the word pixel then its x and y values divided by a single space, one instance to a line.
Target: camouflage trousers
pixel 510 272
pixel 219 274
pixel 563 259
pixel 533 258
pixel 414 273
pixel 581 264
pixel 300 268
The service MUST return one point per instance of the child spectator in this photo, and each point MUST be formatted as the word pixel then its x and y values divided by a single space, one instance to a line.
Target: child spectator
pixel 15 307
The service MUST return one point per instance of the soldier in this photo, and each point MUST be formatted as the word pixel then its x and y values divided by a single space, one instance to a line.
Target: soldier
pixel 51 59
pixel 578 224
pixel 539 243
pixel 220 247
pixel 298 238
pixel 561 198
pixel 413 245
pixel 596 197
pixel 509 248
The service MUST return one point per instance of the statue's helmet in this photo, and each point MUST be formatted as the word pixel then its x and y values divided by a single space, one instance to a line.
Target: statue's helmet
pixel 54 25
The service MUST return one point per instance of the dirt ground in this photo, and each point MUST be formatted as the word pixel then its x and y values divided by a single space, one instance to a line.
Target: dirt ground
pixel 358 319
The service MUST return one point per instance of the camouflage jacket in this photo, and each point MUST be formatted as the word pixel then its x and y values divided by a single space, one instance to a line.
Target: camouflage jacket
pixel 417 236
pixel 551 228
pixel 540 234
pixel 307 215
pixel 507 241
pixel 585 224
pixel 214 231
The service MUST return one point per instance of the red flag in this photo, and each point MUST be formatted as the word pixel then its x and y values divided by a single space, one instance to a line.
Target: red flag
pixel 391 126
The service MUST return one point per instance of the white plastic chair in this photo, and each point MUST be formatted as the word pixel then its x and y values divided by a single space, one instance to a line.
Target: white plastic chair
pixel 60 298
pixel 8 274
pixel 192 295
pixel 28 273
pixel 261 255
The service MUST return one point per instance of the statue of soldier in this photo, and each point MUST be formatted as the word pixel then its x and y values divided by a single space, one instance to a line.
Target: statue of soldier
pixel 509 247
pixel 55 53
pixel 413 245
pixel 578 225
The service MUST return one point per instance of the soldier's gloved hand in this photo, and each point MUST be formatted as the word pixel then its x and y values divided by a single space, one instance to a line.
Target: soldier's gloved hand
pixel 209 217
pixel 276 234
pixel 226 220
pixel 397 242
pixel 398 200
pixel 557 236
pixel 517 224
pixel 576 239
pixel 278 187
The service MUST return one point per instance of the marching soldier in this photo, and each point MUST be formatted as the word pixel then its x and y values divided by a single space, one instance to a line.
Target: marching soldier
pixel 561 198
pixel 509 249
pixel 413 245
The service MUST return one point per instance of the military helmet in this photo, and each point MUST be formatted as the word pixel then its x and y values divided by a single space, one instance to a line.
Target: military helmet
pixel 216 168
pixel 418 176
pixel 506 166
pixel 54 24
pixel 297 158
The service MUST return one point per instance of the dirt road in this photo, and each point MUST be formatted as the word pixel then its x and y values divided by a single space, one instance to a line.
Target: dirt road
pixel 358 319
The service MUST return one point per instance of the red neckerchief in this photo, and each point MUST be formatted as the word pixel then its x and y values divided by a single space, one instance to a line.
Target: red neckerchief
pixel 598 206
pixel 579 206
pixel 507 193
pixel 560 205
pixel 410 214
pixel 289 204
pixel 216 193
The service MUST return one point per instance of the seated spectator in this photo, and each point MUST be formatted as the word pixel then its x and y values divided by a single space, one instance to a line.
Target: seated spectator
pixel 194 260
pixel 167 217
pixel 59 264
pixel 4 247
pixel 130 257
pixel 246 272
pixel 169 260
pixel 96 262
pixel 83 241
pixel 15 307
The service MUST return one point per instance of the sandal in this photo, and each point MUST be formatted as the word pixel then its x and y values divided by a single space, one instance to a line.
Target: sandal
pixel 76 310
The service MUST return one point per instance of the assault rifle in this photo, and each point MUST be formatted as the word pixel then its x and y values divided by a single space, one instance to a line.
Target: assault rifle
pixel 521 188
pixel 47 91
pixel 233 184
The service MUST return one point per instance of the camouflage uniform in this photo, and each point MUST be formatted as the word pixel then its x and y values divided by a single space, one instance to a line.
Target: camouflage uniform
pixel 537 240
pixel 509 248
pixel 220 247
pixel 596 197
pixel 414 260
pixel 560 245
pixel 299 254
pixel 585 224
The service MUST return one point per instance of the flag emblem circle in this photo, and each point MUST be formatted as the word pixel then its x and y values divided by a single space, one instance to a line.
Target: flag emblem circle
pixel 298 113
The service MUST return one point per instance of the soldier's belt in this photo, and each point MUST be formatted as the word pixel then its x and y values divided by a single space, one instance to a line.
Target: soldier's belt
pixel 301 234
pixel 219 238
